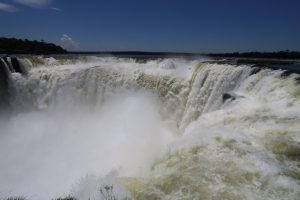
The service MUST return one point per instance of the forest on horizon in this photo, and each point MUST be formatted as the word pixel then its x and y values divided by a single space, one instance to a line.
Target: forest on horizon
pixel 25 46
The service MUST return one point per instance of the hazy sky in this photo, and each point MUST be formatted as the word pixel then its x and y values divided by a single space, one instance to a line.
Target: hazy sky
pixel 156 25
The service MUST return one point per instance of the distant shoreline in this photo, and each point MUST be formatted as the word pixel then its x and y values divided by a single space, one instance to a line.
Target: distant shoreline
pixel 10 46
pixel 19 46
pixel 266 55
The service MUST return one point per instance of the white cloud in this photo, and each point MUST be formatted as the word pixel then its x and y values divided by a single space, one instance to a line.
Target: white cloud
pixel 56 9
pixel 7 7
pixel 34 3
pixel 68 43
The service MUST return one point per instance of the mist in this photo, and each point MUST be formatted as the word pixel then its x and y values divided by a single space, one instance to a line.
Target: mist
pixel 43 153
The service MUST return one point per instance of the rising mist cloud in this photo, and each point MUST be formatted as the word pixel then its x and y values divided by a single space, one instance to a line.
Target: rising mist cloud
pixel 68 43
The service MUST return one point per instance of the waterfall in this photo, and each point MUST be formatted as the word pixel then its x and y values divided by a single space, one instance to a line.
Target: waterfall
pixel 158 129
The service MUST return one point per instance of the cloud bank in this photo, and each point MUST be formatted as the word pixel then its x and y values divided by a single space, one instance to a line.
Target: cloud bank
pixel 7 7
pixel 68 43
pixel 37 4
pixel 34 3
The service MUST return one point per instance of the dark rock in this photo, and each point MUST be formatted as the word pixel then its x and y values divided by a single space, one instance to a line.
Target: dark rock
pixel 255 70
pixel 231 97
pixel 227 96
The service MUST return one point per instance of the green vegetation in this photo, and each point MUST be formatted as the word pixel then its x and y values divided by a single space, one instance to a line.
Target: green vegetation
pixel 276 55
pixel 263 62
pixel 18 46
pixel 144 55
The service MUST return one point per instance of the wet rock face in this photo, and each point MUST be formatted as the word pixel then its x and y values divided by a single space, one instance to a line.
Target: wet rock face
pixel 8 65
pixel 18 67
pixel 4 81
pixel 13 65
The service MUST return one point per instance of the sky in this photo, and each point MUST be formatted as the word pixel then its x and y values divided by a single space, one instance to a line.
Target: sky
pixel 199 26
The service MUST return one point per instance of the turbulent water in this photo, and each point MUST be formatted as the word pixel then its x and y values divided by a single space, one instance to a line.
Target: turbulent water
pixel 152 129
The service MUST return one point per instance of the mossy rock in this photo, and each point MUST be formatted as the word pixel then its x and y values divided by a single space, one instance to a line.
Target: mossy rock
pixel 287 148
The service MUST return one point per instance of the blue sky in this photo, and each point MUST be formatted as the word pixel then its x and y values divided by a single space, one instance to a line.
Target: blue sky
pixel 156 25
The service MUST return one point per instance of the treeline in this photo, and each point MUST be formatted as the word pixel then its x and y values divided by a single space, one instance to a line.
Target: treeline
pixel 19 46
pixel 280 54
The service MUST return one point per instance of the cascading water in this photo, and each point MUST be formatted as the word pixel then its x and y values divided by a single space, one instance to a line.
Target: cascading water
pixel 161 129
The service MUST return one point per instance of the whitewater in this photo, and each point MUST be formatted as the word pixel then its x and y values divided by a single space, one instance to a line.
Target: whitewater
pixel 168 129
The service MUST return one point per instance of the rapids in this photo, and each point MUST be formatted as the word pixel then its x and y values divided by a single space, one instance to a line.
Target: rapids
pixel 154 129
